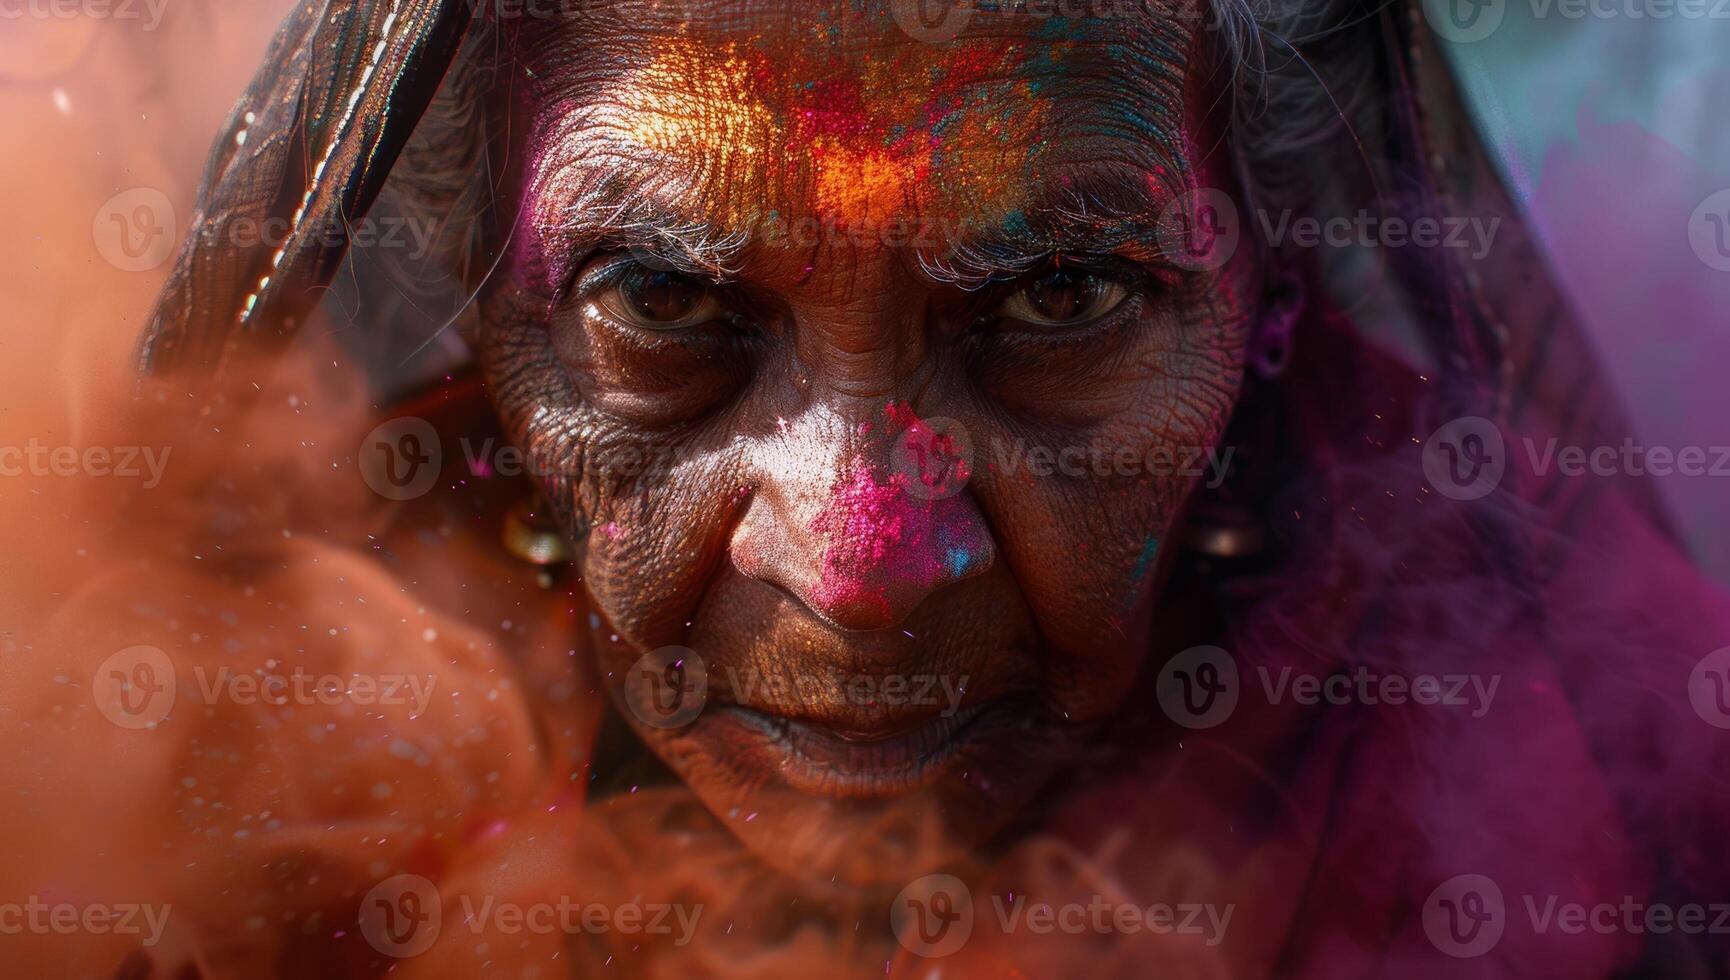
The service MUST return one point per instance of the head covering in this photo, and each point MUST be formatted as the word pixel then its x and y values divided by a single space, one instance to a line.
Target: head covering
pixel 310 145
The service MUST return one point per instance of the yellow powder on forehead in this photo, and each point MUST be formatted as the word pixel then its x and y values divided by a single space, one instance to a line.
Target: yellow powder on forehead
pixel 699 108
pixel 808 135
pixel 691 95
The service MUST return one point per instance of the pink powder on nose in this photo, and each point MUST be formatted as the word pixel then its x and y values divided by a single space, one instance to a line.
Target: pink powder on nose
pixel 863 525
pixel 879 540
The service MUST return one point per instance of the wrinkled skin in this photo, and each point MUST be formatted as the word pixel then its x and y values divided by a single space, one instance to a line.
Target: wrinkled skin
pixel 777 532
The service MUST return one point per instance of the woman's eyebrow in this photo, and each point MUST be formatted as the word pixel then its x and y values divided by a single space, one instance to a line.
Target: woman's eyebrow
pixel 1085 214
pixel 618 212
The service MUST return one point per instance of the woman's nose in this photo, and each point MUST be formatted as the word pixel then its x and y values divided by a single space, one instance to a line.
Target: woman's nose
pixel 865 537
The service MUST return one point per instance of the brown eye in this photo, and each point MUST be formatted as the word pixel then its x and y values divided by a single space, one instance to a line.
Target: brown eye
pixel 1061 297
pixel 652 299
pixel 661 297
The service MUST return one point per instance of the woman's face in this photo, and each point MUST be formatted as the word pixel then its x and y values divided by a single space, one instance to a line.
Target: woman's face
pixel 797 305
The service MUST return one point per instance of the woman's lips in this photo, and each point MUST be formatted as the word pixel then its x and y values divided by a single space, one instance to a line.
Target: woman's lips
pixel 891 758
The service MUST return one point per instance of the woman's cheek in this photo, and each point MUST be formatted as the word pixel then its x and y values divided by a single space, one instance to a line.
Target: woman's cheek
pixel 658 539
pixel 1087 536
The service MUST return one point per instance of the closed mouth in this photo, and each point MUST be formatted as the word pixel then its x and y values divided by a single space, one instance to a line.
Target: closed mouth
pixel 887 760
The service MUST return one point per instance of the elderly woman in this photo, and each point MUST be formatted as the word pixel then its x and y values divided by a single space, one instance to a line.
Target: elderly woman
pixel 982 490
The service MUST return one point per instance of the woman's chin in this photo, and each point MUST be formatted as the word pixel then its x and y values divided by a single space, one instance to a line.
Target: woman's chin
pixel 874 806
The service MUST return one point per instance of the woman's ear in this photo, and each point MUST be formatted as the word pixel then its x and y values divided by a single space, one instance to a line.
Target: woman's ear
pixel 302 157
pixel 1283 301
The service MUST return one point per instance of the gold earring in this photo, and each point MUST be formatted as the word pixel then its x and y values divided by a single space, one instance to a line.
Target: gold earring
pixel 532 535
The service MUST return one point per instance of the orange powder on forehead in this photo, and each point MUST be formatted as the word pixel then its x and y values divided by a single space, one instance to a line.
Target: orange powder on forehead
pixel 858 147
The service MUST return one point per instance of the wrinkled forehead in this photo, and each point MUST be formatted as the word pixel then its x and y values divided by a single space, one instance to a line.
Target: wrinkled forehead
pixel 851 112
